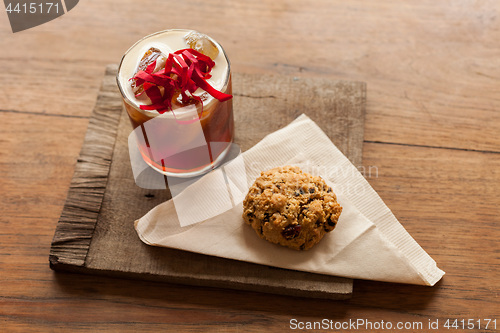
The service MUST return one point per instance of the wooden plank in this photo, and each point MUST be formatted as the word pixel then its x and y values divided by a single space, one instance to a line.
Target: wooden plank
pixel 95 232
pixel 38 157
pixel 337 107
pixel 421 92
pixel 78 218
pixel 432 70
pixel 409 178
pixel 445 199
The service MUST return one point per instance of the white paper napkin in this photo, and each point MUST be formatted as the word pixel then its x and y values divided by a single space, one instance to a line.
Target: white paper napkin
pixel 368 242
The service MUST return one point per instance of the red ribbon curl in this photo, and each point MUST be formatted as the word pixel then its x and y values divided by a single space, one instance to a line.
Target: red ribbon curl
pixel 185 71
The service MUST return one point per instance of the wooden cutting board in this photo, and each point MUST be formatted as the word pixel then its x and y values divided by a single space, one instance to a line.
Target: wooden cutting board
pixel 95 233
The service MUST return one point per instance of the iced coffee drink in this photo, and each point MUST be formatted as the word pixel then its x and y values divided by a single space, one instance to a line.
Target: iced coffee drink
pixel 176 88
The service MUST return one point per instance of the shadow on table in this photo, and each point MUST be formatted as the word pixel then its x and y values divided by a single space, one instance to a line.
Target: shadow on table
pixel 367 294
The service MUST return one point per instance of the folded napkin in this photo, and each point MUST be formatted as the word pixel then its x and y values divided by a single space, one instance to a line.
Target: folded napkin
pixel 368 242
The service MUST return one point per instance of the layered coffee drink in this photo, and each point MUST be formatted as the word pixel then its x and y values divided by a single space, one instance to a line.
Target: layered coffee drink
pixel 176 88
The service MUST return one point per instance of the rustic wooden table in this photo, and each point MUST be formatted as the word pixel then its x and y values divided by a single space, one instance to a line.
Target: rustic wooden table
pixel 432 134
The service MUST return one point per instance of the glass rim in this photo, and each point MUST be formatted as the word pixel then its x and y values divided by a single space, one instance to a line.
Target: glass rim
pixel 155 112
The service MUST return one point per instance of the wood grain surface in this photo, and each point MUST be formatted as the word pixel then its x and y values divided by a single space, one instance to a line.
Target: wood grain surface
pixel 431 138
pixel 95 233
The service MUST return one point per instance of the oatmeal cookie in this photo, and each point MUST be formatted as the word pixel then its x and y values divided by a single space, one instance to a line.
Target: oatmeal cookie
pixel 291 208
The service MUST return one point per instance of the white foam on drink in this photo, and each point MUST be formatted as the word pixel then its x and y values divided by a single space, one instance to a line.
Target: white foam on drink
pixel 168 42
